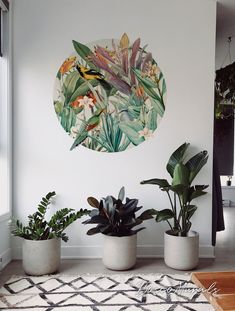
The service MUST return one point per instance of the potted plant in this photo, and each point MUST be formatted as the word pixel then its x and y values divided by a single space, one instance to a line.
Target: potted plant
pixel 181 245
pixel 42 238
pixel 229 180
pixel 116 221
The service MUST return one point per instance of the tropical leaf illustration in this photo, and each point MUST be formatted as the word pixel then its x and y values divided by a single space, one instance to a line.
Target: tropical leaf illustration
pixel 132 129
pixel 68 119
pixel 110 95
pixel 84 52
pixel 82 89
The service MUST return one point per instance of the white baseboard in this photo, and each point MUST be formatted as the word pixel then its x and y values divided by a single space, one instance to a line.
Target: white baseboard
pixel 153 251
pixel 5 258
pixel 207 251
pixel 143 251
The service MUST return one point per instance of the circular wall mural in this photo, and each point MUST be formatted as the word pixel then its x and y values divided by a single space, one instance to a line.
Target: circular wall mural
pixel 110 94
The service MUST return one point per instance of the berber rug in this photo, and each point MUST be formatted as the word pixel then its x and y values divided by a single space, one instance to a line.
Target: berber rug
pixel 158 292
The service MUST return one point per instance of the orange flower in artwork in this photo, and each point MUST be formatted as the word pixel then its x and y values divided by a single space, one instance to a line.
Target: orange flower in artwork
pixel 87 100
pixel 75 104
pixel 139 91
pixel 91 95
pixel 67 64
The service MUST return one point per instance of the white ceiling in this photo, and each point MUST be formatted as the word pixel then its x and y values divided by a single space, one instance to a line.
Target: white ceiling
pixel 226 18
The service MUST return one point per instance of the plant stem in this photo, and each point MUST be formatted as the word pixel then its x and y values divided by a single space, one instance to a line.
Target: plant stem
pixel 169 224
pixel 173 206
pixel 180 213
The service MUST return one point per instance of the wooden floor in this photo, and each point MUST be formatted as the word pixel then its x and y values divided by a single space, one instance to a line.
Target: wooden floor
pixel 218 288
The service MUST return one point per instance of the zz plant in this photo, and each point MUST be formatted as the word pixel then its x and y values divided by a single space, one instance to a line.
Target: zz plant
pixel 114 217
pixel 180 190
pixel 38 228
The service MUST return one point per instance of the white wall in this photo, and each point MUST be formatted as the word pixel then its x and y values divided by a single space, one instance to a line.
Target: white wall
pixel 5 142
pixel 181 35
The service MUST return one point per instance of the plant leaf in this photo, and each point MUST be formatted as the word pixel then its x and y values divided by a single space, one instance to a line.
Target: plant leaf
pixel 135 49
pixel 163 86
pixel 68 119
pixel 137 230
pixel 79 139
pixel 145 80
pixel 140 57
pixel 196 163
pixel 94 212
pixel 148 85
pixel 147 214
pixel 176 157
pixel 125 61
pixel 190 210
pixel 93 202
pixel 121 194
pixel 162 183
pixel 196 192
pixel 92 231
pixel 70 82
pixel 164 214
pixel 100 50
pixel 131 130
pixel 84 52
pixel 180 175
pixel 178 189
pixel 58 107
pixel 97 219
pixel 157 106
pixel 151 122
pixel 119 84
pixel 83 89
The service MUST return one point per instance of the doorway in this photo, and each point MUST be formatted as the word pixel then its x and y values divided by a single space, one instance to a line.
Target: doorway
pixel 224 124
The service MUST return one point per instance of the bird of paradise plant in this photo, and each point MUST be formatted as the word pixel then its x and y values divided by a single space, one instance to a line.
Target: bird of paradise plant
pixel 180 191
pixel 110 97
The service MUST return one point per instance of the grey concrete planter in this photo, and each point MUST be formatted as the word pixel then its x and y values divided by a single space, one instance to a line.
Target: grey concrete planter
pixel 41 257
pixel 119 253
pixel 181 253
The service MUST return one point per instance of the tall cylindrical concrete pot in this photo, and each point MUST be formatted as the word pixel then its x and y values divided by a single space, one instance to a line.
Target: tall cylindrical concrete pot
pixel 41 257
pixel 181 252
pixel 119 253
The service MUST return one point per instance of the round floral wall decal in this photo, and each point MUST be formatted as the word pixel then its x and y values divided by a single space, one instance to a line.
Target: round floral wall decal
pixel 109 95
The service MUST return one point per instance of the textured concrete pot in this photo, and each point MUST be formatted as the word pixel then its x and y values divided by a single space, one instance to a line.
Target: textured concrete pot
pixel 181 253
pixel 41 257
pixel 119 253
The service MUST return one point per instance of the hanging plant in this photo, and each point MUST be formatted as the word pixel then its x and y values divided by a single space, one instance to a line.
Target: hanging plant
pixel 225 92
pixel 225 82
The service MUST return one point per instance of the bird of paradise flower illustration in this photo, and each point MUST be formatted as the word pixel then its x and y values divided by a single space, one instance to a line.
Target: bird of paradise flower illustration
pixel 110 95
pixel 68 64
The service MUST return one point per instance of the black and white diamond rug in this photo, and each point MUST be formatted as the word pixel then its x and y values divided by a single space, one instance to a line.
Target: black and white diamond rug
pixel 158 292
